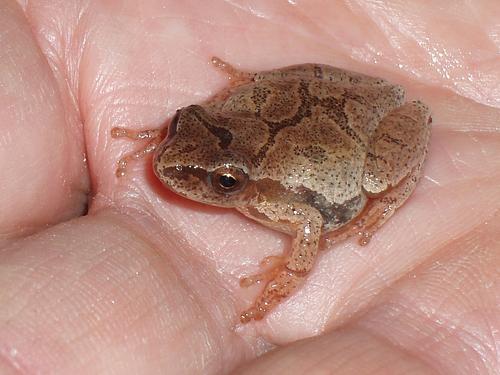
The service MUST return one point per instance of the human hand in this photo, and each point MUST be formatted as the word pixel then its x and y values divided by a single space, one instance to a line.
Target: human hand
pixel 148 282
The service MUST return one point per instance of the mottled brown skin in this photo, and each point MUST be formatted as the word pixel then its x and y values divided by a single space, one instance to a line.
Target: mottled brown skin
pixel 308 150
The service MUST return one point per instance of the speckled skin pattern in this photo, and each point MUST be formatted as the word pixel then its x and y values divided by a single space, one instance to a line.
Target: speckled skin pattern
pixel 311 150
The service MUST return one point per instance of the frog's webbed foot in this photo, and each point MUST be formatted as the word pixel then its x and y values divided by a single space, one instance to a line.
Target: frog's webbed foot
pixel 363 227
pixel 281 286
pixel 155 135
pixel 285 273
pixel 376 213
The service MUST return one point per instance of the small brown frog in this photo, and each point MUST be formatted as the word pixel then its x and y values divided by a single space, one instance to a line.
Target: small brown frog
pixel 307 149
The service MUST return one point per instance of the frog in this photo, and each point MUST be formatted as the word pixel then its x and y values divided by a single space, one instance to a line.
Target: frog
pixel 311 150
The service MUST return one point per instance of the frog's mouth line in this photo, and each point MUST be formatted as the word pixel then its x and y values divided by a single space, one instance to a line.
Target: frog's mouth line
pixel 181 173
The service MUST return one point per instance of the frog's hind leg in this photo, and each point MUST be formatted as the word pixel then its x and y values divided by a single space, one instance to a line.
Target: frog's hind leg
pixel 155 136
pixel 236 78
pixel 377 211
pixel 397 147
pixel 393 167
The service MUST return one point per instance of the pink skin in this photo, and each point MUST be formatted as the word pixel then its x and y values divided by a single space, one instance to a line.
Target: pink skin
pixel 149 282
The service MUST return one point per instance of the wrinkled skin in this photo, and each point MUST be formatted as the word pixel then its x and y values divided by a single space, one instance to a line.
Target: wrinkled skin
pixel 147 282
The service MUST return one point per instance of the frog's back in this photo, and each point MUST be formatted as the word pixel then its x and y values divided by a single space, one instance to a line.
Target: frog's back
pixel 321 160
pixel 283 98
pixel 316 123
pixel 317 130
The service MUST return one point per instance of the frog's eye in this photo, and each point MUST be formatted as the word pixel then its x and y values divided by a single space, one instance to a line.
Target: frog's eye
pixel 228 179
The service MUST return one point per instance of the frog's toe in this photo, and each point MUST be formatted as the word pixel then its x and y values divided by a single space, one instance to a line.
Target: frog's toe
pixel 122 167
pixel 247 281
pixel 280 287
pixel 365 237
pixel 271 266
pixel 251 314
pixel 273 261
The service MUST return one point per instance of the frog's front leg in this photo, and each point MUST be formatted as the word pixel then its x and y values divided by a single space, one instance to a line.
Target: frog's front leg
pixel 236 76
pixel 286 274
pixel 154 135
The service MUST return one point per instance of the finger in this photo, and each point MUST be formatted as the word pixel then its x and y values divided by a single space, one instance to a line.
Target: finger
pixel 441 319
pixel 343 352
pixel 41 152
pixel 446 310
pixel 94 296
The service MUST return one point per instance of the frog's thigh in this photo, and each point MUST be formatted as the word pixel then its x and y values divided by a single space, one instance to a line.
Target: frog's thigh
pixel 307 223
pixel 377 211
pixel 320 71
pixel 392 169
pixel 397 148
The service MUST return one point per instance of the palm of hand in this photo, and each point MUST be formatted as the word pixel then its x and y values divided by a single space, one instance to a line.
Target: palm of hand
pixel 148 282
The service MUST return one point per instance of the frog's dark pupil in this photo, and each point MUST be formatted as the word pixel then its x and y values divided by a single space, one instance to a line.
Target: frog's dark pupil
pixel 227 181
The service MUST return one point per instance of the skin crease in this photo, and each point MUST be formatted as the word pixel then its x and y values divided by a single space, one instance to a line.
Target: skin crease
pixel 148 282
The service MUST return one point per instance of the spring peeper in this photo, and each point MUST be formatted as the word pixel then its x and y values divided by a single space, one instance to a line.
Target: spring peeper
pixel 308 149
